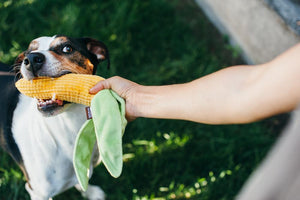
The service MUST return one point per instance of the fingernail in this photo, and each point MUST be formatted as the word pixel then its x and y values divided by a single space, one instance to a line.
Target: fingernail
pixel 92 90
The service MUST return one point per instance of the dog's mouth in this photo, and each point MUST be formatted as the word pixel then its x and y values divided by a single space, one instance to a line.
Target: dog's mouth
pixel 49 104
pixel 53 106
pixel 50 107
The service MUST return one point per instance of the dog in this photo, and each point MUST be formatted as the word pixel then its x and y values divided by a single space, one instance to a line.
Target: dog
pixel 39 134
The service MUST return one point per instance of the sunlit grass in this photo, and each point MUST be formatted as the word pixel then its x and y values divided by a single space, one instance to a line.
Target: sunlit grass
pixel 159 144
pixel 181 191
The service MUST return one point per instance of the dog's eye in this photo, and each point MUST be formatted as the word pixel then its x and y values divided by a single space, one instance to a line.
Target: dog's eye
pixel 67 49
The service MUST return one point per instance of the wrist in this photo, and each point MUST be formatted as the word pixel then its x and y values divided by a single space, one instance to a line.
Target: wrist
pixel 142 101
pixel 157 101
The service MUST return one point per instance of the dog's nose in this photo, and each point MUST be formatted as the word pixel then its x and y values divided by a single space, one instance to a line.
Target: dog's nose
pixel 34 61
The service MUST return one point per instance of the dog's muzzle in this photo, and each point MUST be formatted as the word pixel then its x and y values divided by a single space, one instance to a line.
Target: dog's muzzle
pixel 34 62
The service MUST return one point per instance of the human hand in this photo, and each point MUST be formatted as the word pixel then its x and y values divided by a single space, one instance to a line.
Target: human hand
pixel 125 89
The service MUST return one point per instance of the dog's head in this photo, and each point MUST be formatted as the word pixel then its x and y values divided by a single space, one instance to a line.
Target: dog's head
pixel 56 56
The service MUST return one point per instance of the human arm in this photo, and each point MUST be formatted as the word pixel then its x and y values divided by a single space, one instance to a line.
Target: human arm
pixel 238 94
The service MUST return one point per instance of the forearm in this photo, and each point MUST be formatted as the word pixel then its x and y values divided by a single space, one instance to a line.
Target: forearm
pixel 211 99
pixel 238 94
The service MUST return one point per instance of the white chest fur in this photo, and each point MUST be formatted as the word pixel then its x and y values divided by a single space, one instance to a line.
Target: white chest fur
pixel 46 144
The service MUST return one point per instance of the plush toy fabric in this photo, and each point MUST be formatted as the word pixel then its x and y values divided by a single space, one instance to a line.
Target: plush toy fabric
pixel 106 128
pixel 70 87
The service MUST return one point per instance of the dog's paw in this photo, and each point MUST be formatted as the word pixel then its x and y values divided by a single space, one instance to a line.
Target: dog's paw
pixel 93 192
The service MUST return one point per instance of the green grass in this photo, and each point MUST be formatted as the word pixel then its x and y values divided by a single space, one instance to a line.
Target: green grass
pixel 150 42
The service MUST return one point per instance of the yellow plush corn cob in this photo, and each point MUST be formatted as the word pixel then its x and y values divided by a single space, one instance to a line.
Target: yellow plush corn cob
pixel 70 87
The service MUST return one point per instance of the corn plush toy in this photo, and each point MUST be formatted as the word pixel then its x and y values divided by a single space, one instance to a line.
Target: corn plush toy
pixel 70 87
pixel 106 126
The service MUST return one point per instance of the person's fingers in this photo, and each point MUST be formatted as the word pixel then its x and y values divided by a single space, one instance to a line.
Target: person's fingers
pixel 105 84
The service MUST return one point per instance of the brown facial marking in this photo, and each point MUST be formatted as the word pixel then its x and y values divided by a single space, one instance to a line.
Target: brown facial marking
pixel 59 40
pixel 34 45
pixel 20 58
pixel 88 64
pixel 75 63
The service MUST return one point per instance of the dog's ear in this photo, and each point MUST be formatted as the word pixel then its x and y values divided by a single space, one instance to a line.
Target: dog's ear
pixel 99 49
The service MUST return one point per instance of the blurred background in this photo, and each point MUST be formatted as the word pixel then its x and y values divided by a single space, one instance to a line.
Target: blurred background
pixel 151 42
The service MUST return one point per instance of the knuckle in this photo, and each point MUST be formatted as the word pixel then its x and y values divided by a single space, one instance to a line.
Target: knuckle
pixel 106 84
pixel 116 78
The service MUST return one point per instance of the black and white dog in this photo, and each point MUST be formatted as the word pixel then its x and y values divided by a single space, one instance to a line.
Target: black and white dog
pixel 40 133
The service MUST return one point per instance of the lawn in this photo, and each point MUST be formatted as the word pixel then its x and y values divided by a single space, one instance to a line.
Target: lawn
pixel 152 42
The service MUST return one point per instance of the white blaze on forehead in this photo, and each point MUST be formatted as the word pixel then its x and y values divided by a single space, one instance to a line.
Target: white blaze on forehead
pixel 44 42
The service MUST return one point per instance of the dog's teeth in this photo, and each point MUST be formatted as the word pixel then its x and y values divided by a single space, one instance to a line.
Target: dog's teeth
pixel 54 97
